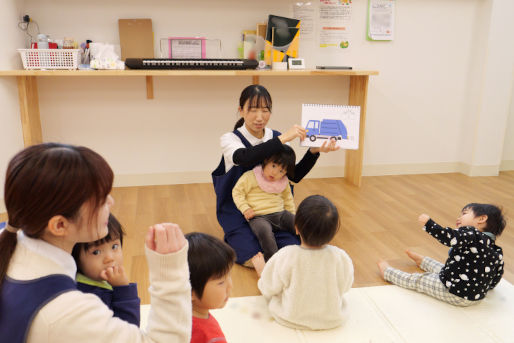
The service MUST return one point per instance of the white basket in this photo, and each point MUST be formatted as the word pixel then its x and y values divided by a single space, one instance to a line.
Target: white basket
pixel 50 58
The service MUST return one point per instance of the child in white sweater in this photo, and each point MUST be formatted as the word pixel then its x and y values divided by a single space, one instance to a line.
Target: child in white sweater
pixel 305 285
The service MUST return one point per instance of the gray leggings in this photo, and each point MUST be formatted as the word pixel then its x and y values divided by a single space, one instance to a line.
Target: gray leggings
pixel 263 227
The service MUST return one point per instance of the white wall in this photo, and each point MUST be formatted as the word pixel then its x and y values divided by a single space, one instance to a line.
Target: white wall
pixel 10 125
pixel 421 108
pixel 496 90
pixel 508 147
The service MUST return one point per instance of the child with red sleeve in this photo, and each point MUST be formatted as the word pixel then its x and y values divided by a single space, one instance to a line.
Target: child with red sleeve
pixel 210 261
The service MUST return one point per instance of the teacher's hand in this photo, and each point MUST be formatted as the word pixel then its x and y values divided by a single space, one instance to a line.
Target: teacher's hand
pixel 292 133
pixel 165 238
pixel 326 147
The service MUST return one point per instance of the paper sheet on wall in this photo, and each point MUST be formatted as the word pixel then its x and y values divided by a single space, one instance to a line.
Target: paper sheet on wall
pixel 381 19
pixel 304 11
pixel 334 24
pixel 324 122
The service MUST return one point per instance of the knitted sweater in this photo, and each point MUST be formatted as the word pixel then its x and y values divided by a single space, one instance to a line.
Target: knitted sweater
pixel 247 194
pixel 305 287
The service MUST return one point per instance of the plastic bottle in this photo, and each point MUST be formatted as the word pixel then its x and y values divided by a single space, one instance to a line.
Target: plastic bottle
pixel 42 41
pixel 68 43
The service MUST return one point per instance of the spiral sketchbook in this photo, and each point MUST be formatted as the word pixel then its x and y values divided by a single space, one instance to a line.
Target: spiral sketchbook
pixel 324 122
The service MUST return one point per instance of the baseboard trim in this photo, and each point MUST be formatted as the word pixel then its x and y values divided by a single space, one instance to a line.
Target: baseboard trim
pixel 484 171
pixel 321 172
pixel 177 178
pixel 418 168
pixel 507 165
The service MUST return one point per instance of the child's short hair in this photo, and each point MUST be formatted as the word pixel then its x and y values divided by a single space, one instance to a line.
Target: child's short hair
pixel 285 158
pixel 115 231
pixel 495 221
pixel 317 220
pixel 208 257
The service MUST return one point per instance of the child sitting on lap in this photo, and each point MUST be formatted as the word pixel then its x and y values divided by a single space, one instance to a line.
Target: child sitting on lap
pixel 474 265
pixel 305 285
pixel 264 197
pixel 100 271
pixel 210 261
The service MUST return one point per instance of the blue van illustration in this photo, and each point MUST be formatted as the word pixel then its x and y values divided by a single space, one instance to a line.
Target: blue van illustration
pixel 326 129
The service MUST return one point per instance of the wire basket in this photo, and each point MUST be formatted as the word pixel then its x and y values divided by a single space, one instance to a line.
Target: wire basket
pixel 50 58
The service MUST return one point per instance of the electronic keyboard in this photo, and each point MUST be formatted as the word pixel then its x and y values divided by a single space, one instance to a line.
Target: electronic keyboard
pixel 193 63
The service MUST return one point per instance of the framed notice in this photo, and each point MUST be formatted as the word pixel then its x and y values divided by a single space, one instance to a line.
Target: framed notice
pixel 380 20
pixel 186 47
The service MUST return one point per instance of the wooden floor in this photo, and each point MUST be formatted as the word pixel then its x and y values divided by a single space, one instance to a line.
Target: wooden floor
pixel 379 219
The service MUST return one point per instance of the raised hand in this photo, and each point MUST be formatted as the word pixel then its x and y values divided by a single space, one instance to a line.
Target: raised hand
pixel 165 238
pixel 423 218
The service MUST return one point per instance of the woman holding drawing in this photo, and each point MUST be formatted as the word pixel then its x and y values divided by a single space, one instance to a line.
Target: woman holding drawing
pixel 248 145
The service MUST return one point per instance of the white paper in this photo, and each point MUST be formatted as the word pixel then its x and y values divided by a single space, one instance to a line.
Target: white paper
pixel 334 24
pixel 186 48
pixel 324 122
pixel 304 11
pixel 381 19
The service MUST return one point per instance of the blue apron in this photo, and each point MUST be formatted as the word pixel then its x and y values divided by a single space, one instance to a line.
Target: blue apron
pixel 20 301
pixel 237 231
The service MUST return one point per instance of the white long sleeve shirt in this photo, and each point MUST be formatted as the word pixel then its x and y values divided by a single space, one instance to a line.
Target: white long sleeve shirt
pixel 78 317
pixel 305 287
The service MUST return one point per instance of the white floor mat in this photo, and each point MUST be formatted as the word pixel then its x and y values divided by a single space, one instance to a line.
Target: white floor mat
pixel 379 314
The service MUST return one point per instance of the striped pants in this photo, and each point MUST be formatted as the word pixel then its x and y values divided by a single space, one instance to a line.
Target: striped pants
pixel 428 283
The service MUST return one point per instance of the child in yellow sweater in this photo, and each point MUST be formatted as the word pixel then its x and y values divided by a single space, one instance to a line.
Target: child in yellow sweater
pixel 264 197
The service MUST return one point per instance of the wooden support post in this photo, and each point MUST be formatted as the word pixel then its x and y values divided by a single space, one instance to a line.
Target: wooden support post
pixel 149 87
pixel 354 158
pixel 29 110
pixel 255 79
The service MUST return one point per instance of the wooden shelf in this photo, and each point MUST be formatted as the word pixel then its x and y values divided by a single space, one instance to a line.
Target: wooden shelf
pixel 29 99
pixel 147 72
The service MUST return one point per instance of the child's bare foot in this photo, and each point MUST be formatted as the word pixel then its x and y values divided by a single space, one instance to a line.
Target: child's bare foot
pixel 258 263
pixel 417 258
pixel 383 265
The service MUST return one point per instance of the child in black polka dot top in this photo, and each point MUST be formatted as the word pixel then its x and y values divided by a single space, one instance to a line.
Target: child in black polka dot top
pixel 474 265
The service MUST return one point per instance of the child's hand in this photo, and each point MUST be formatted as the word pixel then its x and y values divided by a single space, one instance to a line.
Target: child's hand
pixel 423 218
pixel 249 214
pixel 292 133
pixel 115 276
pixel 326 147
pixel 165 238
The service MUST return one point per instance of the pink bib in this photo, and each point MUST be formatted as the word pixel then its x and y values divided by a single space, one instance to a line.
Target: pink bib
pixel 270 186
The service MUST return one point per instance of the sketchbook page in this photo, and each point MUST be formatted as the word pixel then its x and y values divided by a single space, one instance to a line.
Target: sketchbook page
pixel 381 20
pixel 324 122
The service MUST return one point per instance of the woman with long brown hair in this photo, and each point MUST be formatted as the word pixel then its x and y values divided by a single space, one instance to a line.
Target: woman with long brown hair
pixel 57 195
